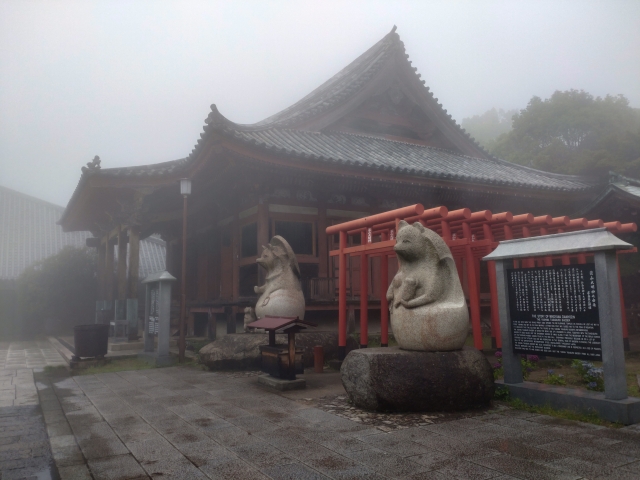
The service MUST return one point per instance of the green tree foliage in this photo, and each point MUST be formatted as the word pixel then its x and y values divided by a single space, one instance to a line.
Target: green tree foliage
pixel 58 293
pixel 486 128
pixel 575 133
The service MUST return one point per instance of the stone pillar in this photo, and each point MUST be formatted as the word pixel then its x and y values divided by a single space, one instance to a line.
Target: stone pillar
pixel 608 291
pixel 158 310
pixel 510 361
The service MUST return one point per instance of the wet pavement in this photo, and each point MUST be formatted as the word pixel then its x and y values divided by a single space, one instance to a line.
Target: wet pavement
pixel 31 354
pixel 24 444
pixel 186 423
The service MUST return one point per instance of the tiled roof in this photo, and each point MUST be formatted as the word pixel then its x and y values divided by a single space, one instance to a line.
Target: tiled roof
pixel 29 233
pixel 339 87
pixel 409 159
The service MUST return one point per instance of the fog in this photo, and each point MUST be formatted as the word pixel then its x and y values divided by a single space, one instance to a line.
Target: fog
pixel 133 81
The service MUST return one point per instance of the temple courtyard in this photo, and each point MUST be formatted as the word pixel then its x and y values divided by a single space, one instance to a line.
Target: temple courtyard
pixel 183 422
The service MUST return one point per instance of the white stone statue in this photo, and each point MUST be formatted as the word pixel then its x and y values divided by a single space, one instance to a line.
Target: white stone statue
pixel 426 301
pixel 281 295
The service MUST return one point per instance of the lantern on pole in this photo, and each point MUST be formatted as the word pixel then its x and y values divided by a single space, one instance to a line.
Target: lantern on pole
pixel 185 191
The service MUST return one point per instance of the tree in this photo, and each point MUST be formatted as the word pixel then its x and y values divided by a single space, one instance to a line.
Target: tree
pixel 486 128
pixel 58 292
pixel 574 133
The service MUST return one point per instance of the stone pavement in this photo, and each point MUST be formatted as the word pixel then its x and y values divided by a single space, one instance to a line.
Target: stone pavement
pixel 24 444
pixel 182 422
pixel 31 354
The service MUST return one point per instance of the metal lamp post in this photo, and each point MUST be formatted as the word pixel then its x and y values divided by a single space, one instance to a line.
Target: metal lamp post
pixel 185 191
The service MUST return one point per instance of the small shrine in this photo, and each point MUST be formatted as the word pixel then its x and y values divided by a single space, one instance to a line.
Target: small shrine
pixel 282 361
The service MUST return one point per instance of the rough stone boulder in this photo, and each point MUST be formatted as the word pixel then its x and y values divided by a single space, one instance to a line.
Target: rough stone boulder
pixel 391 379
pixel 241 351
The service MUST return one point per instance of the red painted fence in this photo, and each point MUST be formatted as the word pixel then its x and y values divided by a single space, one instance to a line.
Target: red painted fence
pixel 469 235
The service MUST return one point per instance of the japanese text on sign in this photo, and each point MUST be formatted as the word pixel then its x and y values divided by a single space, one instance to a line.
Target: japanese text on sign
pixel 554 311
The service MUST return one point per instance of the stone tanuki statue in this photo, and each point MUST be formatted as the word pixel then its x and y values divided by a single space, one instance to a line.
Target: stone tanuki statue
pixel 428 308
pixel 281 295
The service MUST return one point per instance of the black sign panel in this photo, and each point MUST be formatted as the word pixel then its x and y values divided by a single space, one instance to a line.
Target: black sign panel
pixel 554 311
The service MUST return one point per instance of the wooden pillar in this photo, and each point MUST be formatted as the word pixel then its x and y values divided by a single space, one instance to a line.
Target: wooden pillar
pixel 134 262
pixel 323 253
pixel 108 270
pixel 474 294
pixel 364 296
pixel 235 249
pixel 342 298
pixel 122 264
pixel 102 259
pixel 292 356
pixel 262 237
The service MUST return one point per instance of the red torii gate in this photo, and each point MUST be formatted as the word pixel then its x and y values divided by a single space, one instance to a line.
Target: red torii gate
pixel 469 235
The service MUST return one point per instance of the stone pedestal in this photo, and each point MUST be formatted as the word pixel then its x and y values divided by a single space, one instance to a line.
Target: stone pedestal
pixel 391 379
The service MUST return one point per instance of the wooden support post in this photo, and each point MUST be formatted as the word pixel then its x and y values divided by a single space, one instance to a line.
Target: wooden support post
pixel 134 261
pixel 108 270
pixel 263 236
pixel 102 260
pixel 342 298
pixel 364 295
pixel 122 264
pixel 384 303
pixel 212 324
pixel 474 294
pixel 323 254
pixel 272 338
pixel 132 282
pixel 235 262
pixel 292 356
pixel 474 299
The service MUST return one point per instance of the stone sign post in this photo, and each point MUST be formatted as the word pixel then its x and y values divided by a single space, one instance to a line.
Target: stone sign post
pixel 157 317
pixel 570 311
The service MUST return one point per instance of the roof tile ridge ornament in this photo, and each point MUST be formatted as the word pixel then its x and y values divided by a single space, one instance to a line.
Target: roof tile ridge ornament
pixel 93 166
pixel 615 177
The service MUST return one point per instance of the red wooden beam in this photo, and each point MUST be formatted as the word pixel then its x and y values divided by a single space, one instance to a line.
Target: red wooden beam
pixel 372 220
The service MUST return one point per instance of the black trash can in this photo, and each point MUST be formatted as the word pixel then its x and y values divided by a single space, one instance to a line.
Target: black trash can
pixel 91 340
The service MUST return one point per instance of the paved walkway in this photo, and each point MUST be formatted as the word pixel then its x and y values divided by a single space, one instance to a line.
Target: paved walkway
pixel 187 423
pixel 24 444
pixel 32 354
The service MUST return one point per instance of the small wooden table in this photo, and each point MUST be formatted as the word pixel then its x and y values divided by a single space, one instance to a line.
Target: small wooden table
pixel 280 360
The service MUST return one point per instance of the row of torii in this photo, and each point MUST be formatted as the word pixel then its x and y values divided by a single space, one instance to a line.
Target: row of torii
pixel 470 236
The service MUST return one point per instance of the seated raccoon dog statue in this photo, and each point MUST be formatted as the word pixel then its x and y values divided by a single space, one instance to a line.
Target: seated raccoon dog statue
pixel 427 305
pixel 281 295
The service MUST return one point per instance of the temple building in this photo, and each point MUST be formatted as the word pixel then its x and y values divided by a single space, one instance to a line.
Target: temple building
pixel 370 139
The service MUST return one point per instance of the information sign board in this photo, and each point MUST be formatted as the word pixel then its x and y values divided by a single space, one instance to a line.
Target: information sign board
pixel 154 308
pixel 554 311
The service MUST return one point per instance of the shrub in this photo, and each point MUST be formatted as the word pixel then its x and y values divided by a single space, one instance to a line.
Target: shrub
pixel 554 378
pixel 58 292
pixel 593 377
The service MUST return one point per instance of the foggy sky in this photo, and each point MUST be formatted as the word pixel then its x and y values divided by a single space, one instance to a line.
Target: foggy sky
pixel 132 81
